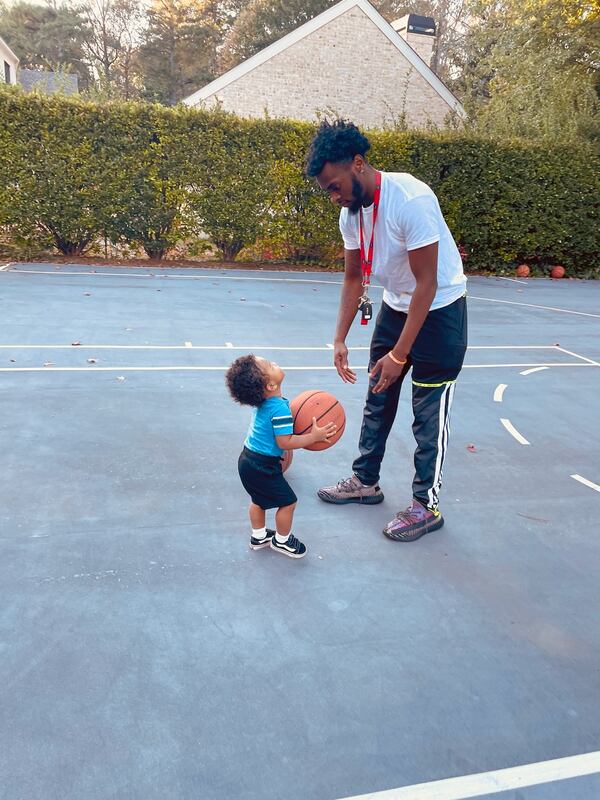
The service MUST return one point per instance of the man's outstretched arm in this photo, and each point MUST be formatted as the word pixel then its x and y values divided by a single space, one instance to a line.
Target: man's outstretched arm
pixel 351 293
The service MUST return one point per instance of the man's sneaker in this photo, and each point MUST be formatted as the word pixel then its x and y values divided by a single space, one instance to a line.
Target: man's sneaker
pixel 258 544
pixel 413 523
pixel 351 490
pixel 292 547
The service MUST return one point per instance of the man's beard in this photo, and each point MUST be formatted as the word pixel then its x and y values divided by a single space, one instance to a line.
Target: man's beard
pixel 358 195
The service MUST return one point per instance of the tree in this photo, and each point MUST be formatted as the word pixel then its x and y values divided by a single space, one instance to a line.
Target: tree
pixel 530 69
pixel 115 29
pixel 178 53
pixel 44 37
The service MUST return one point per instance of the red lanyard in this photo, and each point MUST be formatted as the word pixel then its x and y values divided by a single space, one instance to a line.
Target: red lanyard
pixel 367 262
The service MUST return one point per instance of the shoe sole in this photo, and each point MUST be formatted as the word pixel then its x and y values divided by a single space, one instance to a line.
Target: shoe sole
pixel 288 554
pixel 412 537
pixel 260 546
pixel 371 500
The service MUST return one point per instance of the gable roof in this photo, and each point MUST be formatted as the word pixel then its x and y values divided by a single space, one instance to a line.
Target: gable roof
pixel 10 50
pixel 310 27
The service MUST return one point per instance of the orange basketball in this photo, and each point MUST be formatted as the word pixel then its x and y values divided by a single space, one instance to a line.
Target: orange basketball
pixel 522 271
pixel 322 405
pixel 557 272
pixel 286 459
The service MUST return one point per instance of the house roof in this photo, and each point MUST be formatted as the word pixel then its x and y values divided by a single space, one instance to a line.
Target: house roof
pixel 10 50
pixel 48 82
pixel 310 27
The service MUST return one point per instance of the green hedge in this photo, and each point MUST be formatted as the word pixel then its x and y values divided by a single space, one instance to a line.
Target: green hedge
pixel 73 174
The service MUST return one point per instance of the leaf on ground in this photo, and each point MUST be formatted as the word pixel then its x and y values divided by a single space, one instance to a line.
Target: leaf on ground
pixel 471 448
pixel 75 344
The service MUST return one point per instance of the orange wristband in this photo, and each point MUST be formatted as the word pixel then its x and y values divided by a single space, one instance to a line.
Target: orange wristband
pixel 396 360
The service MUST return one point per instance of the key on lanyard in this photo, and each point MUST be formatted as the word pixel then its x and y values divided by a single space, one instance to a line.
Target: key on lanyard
pixel 366 309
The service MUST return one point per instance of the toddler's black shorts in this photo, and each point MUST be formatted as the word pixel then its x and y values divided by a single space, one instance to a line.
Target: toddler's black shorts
pixel 262 477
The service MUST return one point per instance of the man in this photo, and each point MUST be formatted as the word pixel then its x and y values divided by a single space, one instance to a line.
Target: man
pixel 392 225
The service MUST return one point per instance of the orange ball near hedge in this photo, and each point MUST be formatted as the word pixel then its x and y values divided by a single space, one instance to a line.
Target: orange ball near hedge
pixel 522 271
pixel 325 408
pixel 557 272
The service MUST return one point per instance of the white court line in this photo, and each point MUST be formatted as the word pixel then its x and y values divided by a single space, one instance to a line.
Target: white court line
pixel 532 305
pixel 576 355
pixel 186 346
pixel 586 482
pixel 499 780
pixel 4 266
pixel 514 280
pixel 146 369
pixel 229 346
pixel 499 391
pixel 220 369
pixel 513 431
pixel 216 276
pixel 531 371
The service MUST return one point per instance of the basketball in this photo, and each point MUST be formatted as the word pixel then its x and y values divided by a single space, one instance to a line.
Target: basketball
pixel 522 271
pixel 557 272
pixel 322 405
pixel 286 459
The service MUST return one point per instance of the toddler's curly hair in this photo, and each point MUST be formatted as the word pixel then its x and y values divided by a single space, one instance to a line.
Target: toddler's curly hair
pixel 246 381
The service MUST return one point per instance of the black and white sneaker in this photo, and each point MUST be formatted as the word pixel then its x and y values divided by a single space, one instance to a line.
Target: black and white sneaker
pixel 258 544
pixel 292 547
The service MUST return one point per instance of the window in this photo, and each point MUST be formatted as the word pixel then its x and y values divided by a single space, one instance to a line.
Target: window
pixel 6 72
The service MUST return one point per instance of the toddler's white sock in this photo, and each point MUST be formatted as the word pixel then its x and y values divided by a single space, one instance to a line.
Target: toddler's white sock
pixel 259 533
pixel 281 538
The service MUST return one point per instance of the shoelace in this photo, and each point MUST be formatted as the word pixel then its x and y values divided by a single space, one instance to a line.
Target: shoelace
pixel 408 516
pixel 347 483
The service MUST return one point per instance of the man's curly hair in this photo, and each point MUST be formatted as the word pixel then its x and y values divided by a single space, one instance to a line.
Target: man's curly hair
pixel 246 381
pixel 337 142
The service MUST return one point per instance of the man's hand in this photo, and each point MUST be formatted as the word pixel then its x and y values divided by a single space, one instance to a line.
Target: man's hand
pixel 388 372
pixel 340 360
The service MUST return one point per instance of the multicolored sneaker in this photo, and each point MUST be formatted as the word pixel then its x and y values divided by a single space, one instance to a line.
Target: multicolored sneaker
pixel 351 490
pixel 413 522
pixel 292 547
pixel 258 544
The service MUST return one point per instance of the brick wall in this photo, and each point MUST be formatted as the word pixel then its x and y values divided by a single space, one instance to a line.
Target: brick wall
pixel 348 67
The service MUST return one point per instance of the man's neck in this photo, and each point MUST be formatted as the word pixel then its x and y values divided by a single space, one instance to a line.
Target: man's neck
pixel 369 185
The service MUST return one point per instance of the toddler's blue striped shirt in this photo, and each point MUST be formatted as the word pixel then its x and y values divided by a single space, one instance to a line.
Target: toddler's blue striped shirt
pixel 272 418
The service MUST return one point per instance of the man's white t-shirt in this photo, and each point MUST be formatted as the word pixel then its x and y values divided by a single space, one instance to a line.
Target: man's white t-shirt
pixel 409 217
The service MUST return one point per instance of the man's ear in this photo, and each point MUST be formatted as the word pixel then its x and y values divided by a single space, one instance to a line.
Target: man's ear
pixel 358 163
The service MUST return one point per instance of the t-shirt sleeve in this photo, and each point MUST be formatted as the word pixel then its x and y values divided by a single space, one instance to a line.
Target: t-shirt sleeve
pixel 349 231
pixel 281 418
pixel 420 222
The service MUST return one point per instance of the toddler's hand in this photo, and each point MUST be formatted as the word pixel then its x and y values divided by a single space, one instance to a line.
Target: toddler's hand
pixel 322 434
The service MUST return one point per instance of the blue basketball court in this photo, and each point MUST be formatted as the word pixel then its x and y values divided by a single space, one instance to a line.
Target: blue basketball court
pixel 147 653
